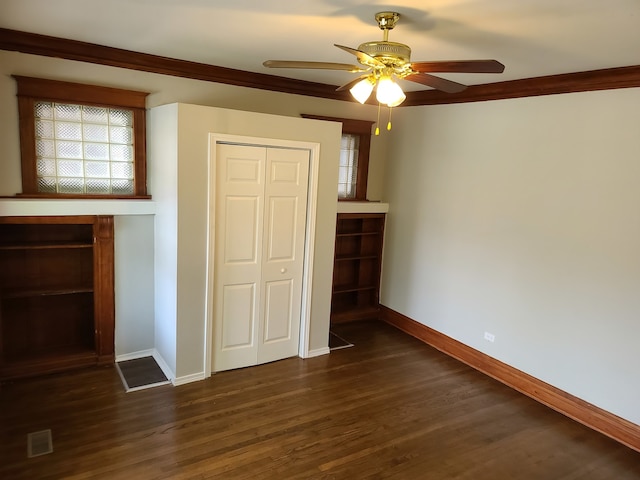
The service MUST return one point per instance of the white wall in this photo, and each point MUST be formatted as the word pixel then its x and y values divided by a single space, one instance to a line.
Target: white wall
pixel 520 218
pixel 162 147
pixel 184 195
pixel 133 248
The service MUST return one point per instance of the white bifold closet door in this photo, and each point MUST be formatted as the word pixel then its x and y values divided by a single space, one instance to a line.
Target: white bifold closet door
pixel 260 224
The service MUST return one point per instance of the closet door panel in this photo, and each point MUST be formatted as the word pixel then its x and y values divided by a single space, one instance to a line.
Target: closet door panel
pixel 238 255
pixel 260 225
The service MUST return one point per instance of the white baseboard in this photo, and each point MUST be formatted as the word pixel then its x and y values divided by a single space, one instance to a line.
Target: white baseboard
pixel 194 377
pixel 163 366
pixel 317 352
pixel 152 352
pixel 135 355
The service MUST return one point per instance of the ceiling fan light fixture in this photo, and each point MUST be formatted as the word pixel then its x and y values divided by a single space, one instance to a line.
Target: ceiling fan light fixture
pixel 362 90
pixel 382 63
pixel 389 92
pixel 401 98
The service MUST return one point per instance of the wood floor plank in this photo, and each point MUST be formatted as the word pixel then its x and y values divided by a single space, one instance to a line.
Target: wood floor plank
pixel 388 407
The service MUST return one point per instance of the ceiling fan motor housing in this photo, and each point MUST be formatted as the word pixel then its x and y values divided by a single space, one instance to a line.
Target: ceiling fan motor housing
pixel 392 54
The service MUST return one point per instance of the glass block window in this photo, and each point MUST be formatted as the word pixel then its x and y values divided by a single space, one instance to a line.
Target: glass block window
pixel 81 140
pixel 348 170
pixel 84 149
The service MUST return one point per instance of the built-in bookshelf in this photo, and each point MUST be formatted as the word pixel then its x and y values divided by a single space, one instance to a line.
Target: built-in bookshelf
pixel 56 293
pixel 357 264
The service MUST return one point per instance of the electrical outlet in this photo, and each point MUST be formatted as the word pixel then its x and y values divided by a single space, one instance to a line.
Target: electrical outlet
pixel 489 337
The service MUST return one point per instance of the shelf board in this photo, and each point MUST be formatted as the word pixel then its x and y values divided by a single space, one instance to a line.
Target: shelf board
pixel 357 234
pixel 354 313
pixel 356 257
pixel 46 246
pixel 42 292
pixel 46 361
pixel 353 288
pixel 49 353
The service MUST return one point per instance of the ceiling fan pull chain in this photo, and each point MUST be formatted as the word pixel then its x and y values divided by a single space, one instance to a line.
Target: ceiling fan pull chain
pixel 378 121
pixel 389 123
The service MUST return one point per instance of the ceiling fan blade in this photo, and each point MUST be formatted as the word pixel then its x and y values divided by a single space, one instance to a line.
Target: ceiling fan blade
pixel 459 66
pixel 347 86
pixel 363 58
pixel 312 65
pixel 436 82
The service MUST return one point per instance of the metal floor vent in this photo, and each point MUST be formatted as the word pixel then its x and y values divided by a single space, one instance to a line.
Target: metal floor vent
pixel 39 443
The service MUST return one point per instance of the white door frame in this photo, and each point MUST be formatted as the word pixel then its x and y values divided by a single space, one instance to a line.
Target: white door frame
pixel 307 275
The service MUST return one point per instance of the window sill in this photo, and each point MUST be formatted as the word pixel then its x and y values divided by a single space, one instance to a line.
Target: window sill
pixel 64 196
pixel 23 205
pixel 362 207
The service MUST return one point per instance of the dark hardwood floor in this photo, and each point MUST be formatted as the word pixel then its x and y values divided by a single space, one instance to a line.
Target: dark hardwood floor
pixel 388 407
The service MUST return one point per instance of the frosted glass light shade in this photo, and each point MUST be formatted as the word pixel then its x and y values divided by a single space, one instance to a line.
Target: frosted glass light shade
pixel 400 99
pixel 389 92
pixel 362 90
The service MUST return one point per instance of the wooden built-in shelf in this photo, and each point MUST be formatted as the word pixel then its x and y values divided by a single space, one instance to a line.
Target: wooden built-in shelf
pixel 357 264
pixel 56 294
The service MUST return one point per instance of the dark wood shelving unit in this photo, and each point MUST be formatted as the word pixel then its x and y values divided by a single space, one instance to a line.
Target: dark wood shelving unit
pixel 357 264
pixel 56 294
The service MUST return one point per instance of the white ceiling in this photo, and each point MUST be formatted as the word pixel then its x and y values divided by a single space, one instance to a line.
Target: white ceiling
pixel 531 37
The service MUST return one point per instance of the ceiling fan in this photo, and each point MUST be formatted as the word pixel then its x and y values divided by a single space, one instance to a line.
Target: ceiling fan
pixel 383 61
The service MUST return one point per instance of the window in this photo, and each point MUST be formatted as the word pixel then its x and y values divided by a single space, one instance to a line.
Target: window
pixel 348 170
pixel 81 141
pixel 354 157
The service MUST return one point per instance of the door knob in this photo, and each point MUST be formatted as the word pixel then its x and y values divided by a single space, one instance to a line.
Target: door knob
pixel 283 270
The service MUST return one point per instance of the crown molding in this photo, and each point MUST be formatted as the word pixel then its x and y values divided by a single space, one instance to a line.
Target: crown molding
pixel 606 79
pixel 36 44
